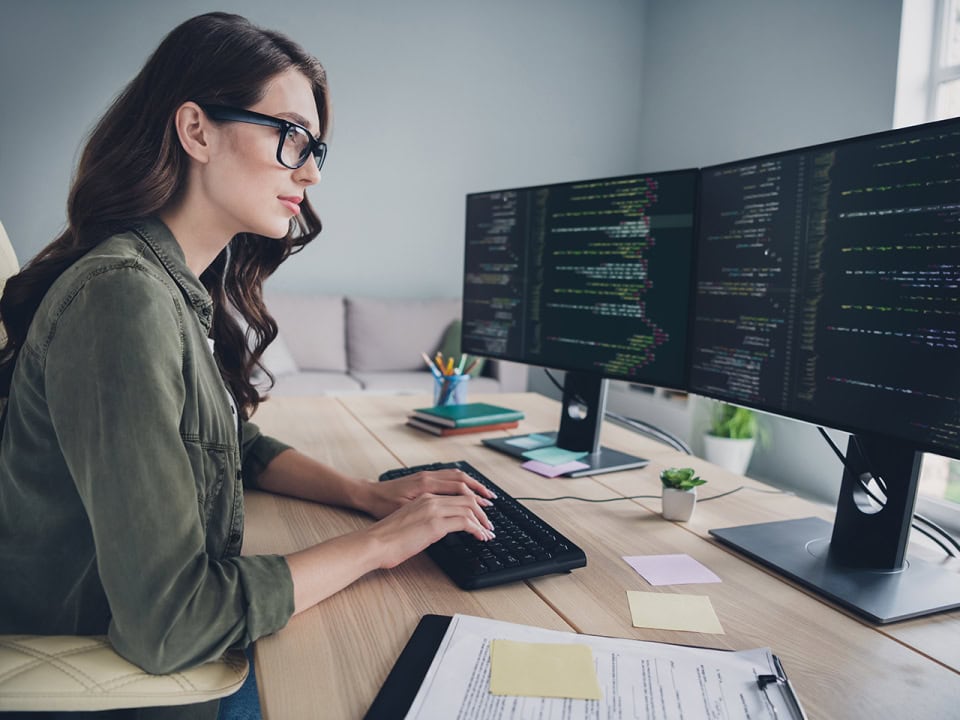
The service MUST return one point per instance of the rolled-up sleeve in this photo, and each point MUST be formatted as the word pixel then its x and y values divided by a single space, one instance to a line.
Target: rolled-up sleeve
pixel 257 451
pixel 114 383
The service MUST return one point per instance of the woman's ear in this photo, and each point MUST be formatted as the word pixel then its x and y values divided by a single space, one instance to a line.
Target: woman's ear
pixel 195 131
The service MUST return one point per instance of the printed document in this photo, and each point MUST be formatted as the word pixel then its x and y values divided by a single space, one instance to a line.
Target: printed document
pixel 642 680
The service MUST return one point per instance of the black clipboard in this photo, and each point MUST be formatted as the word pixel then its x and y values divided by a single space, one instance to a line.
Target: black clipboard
pixel 404 681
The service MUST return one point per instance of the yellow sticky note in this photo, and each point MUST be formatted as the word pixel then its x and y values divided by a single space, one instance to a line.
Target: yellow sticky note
pixel 543 670
pixel 673 611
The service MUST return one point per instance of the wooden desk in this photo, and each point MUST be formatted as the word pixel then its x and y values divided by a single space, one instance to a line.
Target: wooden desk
pixel 331 660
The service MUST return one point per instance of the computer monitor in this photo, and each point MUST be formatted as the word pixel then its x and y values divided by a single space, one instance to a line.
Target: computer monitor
pixel 828 290
pixel 591 277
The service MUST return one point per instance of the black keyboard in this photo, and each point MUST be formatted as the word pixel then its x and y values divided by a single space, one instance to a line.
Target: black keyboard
pixel 525 545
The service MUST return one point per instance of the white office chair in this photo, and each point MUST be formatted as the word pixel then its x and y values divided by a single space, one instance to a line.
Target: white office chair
pixel 70 672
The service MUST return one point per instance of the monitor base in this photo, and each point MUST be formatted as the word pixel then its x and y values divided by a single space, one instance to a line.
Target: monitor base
pixel 604 460
pixel 799 550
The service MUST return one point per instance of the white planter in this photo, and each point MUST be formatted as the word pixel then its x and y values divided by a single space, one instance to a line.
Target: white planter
pixel 679 504
pixel 728 453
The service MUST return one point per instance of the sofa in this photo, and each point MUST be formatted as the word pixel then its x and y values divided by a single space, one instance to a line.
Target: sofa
pixel 336 344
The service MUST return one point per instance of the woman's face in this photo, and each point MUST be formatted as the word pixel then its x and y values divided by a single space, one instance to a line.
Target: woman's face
pixel 250 191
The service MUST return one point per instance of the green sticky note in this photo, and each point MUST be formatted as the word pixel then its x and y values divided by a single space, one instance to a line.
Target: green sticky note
pixel 554 455
pixel 543 670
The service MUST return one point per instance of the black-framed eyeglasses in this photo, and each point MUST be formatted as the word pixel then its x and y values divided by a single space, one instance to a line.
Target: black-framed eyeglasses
pixel 296 143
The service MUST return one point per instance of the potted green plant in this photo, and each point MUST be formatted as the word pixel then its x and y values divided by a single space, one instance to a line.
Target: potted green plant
pixel 679 493
pixel 731 437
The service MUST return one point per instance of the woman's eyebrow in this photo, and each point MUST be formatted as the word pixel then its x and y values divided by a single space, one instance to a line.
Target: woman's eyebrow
pixel 298 119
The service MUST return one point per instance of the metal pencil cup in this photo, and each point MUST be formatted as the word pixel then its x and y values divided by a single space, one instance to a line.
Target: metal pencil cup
pixel 450 389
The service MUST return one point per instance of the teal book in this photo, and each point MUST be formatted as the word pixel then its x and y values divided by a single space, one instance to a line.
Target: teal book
pixel 468 415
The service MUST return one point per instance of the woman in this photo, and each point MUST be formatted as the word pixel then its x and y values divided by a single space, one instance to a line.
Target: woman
pixel 125 435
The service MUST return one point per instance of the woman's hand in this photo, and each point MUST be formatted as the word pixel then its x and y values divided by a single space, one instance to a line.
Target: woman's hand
pixel 424 520
pixel 385 498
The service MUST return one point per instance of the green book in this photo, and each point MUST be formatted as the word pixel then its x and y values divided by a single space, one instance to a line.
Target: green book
pixel 468 415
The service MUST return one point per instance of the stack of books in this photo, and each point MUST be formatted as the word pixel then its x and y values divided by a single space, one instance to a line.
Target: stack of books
pixel 467 418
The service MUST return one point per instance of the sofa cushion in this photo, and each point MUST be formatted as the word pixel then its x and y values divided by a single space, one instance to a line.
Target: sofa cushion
pixel 392 334
pixel 314 383
pixel 312 327
pixel 278 359
pixel 403 382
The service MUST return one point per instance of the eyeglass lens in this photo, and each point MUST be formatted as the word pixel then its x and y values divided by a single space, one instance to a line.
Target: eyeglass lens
pixel 297 146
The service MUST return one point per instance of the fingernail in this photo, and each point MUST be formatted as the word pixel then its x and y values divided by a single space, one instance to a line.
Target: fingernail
pixel 484 502
pixel 492 536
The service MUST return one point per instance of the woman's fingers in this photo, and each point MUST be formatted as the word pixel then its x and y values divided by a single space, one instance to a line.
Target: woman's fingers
pixel 453 482
pixel 426 520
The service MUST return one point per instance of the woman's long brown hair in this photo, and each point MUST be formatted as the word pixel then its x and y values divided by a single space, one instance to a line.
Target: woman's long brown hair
pixel 133 166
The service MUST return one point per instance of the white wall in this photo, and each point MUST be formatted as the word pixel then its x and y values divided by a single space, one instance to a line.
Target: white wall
pixel 732 79
pixel 432 99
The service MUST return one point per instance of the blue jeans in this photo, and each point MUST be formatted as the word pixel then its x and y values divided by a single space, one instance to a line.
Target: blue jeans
pixel 245 703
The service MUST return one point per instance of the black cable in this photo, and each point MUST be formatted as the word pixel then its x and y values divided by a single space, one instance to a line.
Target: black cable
pixel 653 497
pixel 943 531
pixel 652 431
pixel 930 535
pixel 561 388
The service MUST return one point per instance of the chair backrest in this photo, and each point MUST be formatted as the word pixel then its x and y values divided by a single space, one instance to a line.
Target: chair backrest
pixel 8 258
pixel 8 266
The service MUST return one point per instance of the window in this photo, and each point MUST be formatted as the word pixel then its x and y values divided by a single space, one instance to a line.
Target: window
pixel 944 96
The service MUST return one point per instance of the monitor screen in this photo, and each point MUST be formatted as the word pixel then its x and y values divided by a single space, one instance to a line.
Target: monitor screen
pixel 828 290
pixel 590 276
pixel 828 285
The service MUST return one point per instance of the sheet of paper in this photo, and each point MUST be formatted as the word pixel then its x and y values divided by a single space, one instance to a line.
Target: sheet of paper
pixel 673 611
pixel 678 569
pixel 554 455
pixel 637 680
pixel 553 470
pixel 543 670
pixel 529 442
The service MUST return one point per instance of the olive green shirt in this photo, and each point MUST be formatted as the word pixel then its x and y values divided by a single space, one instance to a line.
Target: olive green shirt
pixel 121 471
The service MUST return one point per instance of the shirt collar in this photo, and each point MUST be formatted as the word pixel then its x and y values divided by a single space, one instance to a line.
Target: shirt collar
pixel 165 246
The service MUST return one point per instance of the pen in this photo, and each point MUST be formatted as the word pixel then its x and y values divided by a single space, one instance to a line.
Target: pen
pixel 463 360
pixel 471 366
pixel 449 370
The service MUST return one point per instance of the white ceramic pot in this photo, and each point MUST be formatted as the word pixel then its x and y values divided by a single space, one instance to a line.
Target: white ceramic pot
pixel 730 454
pixel 679 504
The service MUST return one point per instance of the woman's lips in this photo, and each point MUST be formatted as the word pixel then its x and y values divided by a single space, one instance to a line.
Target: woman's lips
pixel 292 204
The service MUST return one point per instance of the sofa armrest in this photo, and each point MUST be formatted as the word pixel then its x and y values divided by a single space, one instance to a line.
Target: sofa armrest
pixel 511 376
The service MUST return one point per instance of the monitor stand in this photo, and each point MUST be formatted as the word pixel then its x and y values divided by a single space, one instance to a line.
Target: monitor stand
pixel 584 402
pixel 862 565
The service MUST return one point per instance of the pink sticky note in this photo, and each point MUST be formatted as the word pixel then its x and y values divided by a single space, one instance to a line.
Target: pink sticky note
pixel 553 470
pixel 671 569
